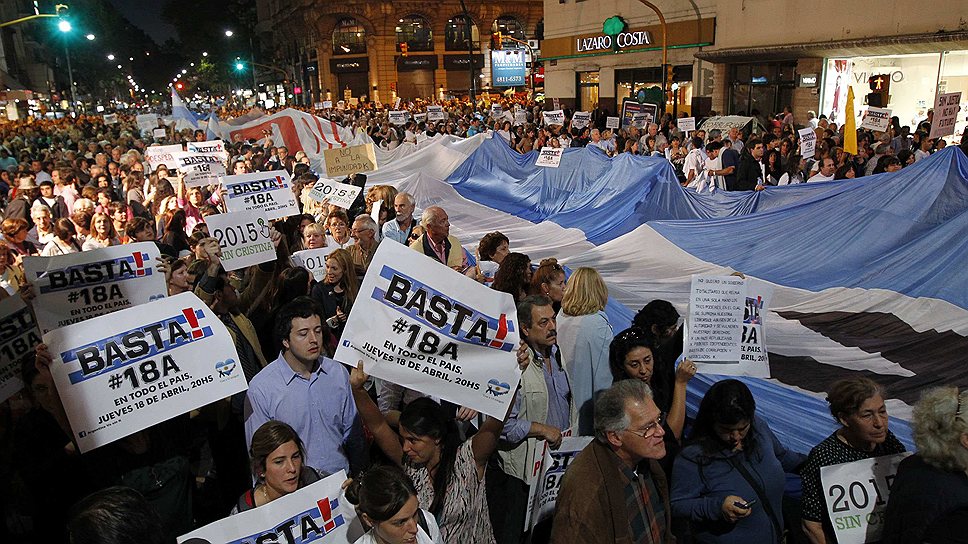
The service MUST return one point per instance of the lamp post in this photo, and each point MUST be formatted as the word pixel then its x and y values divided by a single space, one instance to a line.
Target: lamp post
pixel 255 87
pixel 470 51
pixel 665 51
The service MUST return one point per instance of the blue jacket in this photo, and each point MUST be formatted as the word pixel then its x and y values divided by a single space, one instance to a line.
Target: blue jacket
pixel 698 491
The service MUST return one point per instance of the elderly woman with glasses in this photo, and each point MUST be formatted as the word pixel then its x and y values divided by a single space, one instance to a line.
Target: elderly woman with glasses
pixel 930 494
pixel 728 480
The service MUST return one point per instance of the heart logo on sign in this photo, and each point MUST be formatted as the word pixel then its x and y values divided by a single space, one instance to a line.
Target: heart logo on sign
pixel 497 388
pixel 225 368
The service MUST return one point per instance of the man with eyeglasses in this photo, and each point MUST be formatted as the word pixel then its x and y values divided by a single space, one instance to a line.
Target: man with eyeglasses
pixel 364 232
pixel 614 490
pixel 543 407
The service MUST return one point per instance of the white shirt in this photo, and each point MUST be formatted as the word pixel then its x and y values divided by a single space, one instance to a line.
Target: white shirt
pixel 422 536
pixel 695 160
pixel 785 179
pixel 819 177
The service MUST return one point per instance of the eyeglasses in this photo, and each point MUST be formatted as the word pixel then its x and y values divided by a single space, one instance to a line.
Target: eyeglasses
pixel 650 429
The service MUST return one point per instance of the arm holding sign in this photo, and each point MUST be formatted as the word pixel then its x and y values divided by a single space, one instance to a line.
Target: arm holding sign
pixel 384 436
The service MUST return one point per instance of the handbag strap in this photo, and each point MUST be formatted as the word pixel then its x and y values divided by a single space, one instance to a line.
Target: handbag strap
pixel 760 493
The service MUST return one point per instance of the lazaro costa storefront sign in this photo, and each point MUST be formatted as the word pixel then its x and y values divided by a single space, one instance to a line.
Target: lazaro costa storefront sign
pixel 621 41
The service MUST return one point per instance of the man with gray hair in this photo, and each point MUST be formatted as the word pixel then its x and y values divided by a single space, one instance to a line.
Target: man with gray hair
pixel 400 229
pixel 364 232
pixel 653 130
pixel 614 490
pixel 437 243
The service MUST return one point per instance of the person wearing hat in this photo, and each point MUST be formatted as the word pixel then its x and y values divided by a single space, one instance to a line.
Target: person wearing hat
pixel 19 207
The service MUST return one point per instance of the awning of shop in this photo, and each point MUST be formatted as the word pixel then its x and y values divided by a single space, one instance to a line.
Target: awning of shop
pixel 861 47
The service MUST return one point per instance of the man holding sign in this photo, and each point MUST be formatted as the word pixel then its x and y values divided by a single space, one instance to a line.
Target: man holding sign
pixel 858 404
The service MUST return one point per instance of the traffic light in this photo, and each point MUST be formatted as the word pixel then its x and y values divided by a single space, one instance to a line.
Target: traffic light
pixel 496 40
pixel 880 93
pixel 179 85
pixel 403 49
pixel 239 66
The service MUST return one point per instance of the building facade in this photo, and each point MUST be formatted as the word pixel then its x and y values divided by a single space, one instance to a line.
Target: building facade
pixel 384 50
pixel 737 56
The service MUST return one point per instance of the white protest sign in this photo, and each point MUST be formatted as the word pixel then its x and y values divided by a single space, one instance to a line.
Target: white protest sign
pixel 549 156
pixel 270 192
pixel 856 494
pixel 399 117
pixel 18 336
pixel 419 324
pixel 316 513
pixel 715 324
pixel 436 113
pixel 313 260
pixel 200 168
pixel 375 213
pixel 581 119
pixel 344 161
pixel 146 122
pixel 496 110
pixel 686 124
pixel 520 117
pixel 339 194
pixel 243 237
pixel 124 372
pixel 420 117
pixel 341 104
pixel 556 103
pixel 554 117
pixel 639 120
pixel 110 119
pixel 754 359
pixel 544 488
pixel 80 286
pixel 318 105
pixel 612 122
pixel 159 133
pixel 327 104
pixel 946 109
pixel 878 119
pixel 211 147
pixel 158 155
pixel 396 103
pixel 808 142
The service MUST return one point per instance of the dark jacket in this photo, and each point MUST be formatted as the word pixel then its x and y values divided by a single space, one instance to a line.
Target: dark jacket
pixel 747 173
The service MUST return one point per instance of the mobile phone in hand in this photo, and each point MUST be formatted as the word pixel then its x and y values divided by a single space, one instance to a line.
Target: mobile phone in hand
pixel 744 505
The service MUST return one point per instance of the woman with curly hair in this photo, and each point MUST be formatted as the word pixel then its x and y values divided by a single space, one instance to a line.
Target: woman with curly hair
pixel 514 276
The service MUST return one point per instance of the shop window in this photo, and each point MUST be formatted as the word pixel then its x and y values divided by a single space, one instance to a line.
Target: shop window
pixel 509 26
pixel 416 32
pixel 349 37
pixel 455 35
pixel 766 87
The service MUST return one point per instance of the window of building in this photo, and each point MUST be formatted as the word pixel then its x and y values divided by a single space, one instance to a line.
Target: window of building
pixel 455 35
pixel 766 87
pixel 349 37
pixel 416 32
pixel 509 26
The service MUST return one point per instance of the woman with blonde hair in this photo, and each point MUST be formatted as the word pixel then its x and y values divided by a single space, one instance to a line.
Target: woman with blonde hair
pixel 584 335
pixel 314 236
pixel 102 233
pixel 930 492
pixel 338 290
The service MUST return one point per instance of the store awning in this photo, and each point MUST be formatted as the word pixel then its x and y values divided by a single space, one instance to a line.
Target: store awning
pixel 861 47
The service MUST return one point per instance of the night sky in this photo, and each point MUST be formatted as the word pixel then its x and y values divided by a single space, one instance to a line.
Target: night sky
pixel 146 16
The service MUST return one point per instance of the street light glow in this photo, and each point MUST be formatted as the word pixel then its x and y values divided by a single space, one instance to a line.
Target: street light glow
pixel 239 66
pixel 111 57
pixel 229 33
pixel 64 26
pixel 204 53
pixel 90 37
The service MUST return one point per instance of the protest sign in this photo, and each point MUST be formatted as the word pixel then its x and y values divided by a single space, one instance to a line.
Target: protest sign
pixel 243 237
pixel 159 133
pixel 271 192
pixel 399 117
pixel 556 103
pixel 808 142
pixel 547 481
pixel 436 113
pixel 110 119
pixel 327 104
pixel 211 147
pixel 396 103
pixel 147 122
pixel 316 513
pixel 611 122
pixel 686 124
pixel 340 104
pixel 79 286
pixel 553 117
pixel 716 306
pixel 124 372
pixel 313 260
pixel 878 119
pixel 419 324
pixel 520 118
pixel 631 107
pixel 640 120
pixel 549 156
pixel 340 194
pixel 496 110
pixel 317 105
pixel 856 495
pixel 158 155
pixel 946 108
pixel 18 336
pixel 344 161
pixel 375 212
pixel 420 117
pixel 200 169
pixel 581 119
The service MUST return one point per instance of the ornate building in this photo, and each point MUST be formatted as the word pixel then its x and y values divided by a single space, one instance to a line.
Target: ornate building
pixel 384 49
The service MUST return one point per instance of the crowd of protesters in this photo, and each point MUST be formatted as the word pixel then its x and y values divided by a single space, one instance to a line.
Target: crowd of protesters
pixel 422 470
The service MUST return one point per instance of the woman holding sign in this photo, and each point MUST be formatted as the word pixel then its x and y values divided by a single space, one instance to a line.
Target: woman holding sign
pixel 277 463
pixel 448 474
pixel 338 290
pixel 728 480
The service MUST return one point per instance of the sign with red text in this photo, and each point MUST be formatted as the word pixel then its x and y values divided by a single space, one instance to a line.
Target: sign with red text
pixel 270 192
pixel 18 336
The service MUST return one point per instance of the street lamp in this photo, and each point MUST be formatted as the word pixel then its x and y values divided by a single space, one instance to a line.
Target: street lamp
pixel 65 26
pixel 90 37
pixel 111 57
pixel 229 33
pixel 255 87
